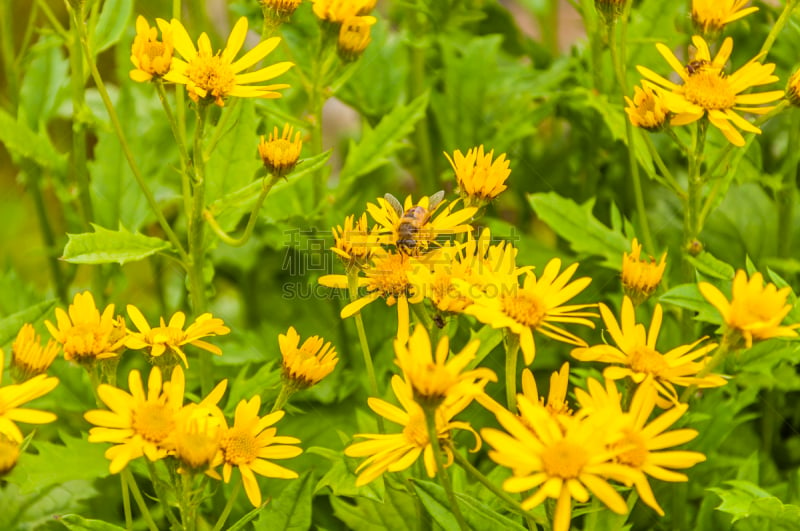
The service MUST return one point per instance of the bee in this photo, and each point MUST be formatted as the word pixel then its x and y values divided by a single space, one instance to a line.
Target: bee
pixel 413 219
pixel 696 65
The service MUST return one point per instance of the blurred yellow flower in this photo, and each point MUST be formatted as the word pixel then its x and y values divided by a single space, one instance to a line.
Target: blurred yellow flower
pixel 793 89
pixel 29 358
pixel 172 336
pixel 280 154
pixel 308 364
pixel 84 334
pixel 755 312
pixel 9 452
pixel 15 395
pixel 479 178
pixel 708 91
pixel 648 109
pixel 151 57
pixel 354 242
pixel 213 77
pixel 641 277
pixel 710 16
pixel 337 11
pixel 251 445
pixel 195 441
pixel 354 37
pixel 556 403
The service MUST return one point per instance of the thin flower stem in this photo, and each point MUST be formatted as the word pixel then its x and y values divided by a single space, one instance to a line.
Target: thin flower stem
pixel 251 222
pixel 719 356
pixel 786 198
pixel 79 130
pixel 53 20
pixel 691 218
pixel 668 179
pixel 188 516
pixel 226 511
pixel 510 502
pixel 778 26
pixel 283 397
pixel 10 66
pixel 441 471
pixel 179 138
pixel 512 353
pixel 160 494
pixel 127 477
pixel 221 126
pixel 126 503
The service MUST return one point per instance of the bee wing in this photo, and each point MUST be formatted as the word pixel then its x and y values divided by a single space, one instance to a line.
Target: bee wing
pixel 392 200
pixel 435 199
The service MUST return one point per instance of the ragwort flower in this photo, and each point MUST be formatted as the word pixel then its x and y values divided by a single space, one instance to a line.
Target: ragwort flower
pixel 337 11
pixel 15 395
pixel 29 358
pixel 308 364
pixel 556 403
pixel 707 91
pixel 280 154
pixel 710 16
pixel 195 440
pixel 213 77
pixel 151 57
pixel 9 452
pixel 641 277
pixel 354 37
pixel 354 242
pixel 648 109
pixel 479 178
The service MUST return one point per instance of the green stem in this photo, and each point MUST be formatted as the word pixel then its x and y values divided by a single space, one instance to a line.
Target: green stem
pixel 251 222
pixel 283 397
pixel 10 66
pixel 691 218
pixel 221 127
pixel 512 353
pixel 188 514
pixel 778 26
pixel 126 503
pixel 786 198
pixel 719 356
pixel 176 133
pixel 668 179
pixel 441 471
pixel 226 511
pixel 127 477
pixel 162 496
pixel 53 20
pixel 79 134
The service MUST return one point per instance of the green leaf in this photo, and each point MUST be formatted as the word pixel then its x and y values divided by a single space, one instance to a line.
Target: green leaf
pixel 576 224
pixel 397 513
pixel 9 326
pixel 23 512
pixel 378 144
pixel 489 338
pixel 688 296
pixel 711 266
pixel 79 523
pixel 234 161
pixel 745 500
pixel 291 510
pixel 46 76
pixel 22 142
pixel 105 246
pixel 476 514
pixel 115 16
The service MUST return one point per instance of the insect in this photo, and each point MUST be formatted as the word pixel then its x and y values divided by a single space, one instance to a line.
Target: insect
pixel 696 65
pixel 413 219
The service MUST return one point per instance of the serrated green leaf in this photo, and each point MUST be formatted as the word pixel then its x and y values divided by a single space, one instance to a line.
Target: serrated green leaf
pixel 397 513
pixel 745 499
pixel 9 326
pixel 79 523
pixel 291 510
pixel 576 224
pixel 378 144
pixel 24 512
pixel 105 246
pixel 711 266
pixel 22 142
pixel 114 17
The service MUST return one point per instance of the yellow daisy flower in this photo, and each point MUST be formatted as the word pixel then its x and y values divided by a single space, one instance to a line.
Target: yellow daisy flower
pixel 9 452
pixel 28 357
pixel 637 357
pixel 536 305
pixel 354 242
pixel 433 378
pixel 84 334
pixel 479 178
pixel 563 463
pixel 754 312
pixel 354 37
pixel 710 16
pixel 707 91
pixel 306 365
pixel 556 403
pixel 172 336
pixel 648 109
pixel 195 440
pixel 251 444
pixel 281 153
pixel 15 395
pixel 394 452
pixel 337 11
pixel 214 77
pixel 151 57
pixel 641 277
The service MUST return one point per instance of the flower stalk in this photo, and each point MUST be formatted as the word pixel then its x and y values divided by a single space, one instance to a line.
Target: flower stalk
pixel 512 353
pixel 441 471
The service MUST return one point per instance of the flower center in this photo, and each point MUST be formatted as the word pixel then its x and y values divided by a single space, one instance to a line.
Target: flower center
pixel 211 75
pixel 389 276
pixel 636 456
pixel 524 308
pixel 239 447
pixel 154 422
pixel 709 90
pixel 166 335
pixel 416 431
pixel 154 49
pixel 646 360
pixel 564 460
pixel 84 340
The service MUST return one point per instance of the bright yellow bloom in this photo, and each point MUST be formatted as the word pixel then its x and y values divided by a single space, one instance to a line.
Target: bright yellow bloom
pixel 15 395
pixel 556 403
pixel 435 378
pixel 195 441
pixel 214 77
pixel 29 358
pixel 354 242
pixel 644 443
pixel 710 16
pixel 394 452
pixel 354 37
pixel 337 11
pixel 151 57
pixel 648 109
pixel 707 90
pixel 9 452
pixel 641 277
pixel 754 312
pixel 636 356
pixel 281 153
pixel 562 463
pixel 85 334
pixel 479 179
pixel 172 336
pixel 536 305
pixel 251 444
pixel 306 365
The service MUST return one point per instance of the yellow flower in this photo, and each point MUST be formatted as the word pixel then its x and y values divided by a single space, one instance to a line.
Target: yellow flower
pixel 195 441
pixel 354 242
pixel 640 278
pixel 536 305
pixel 645 444
pixel 435 378
pixel 281 153
pixel 556 403
pixel 151 57
pixel 172 336
pixel 562 463
pixel 479 179
pixel 707 90
pixel 9 452
pixel 280 10
pixel 306 365
pixel 394 452
pixel 710 16
pixel 29 358
pixel 636 356
pixel 754 312
pixel 214 77
pixel 337 11
pixel 354 37
pixel 251 444
pixel 15 395
pixel 793 89
pixel 85 334
pixel 648 109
